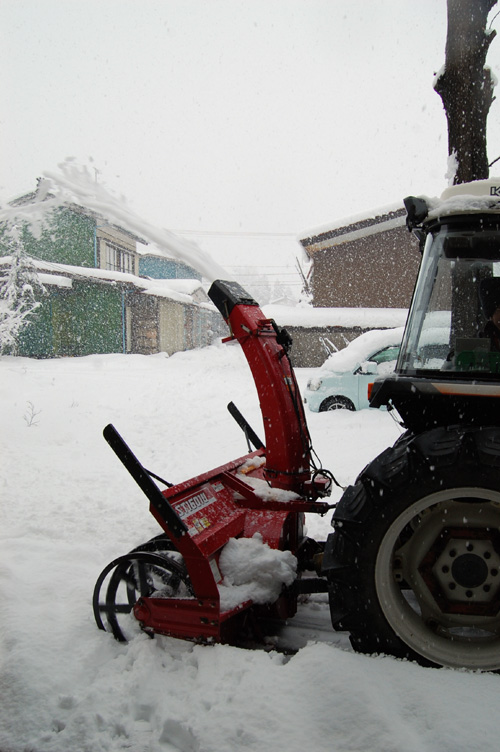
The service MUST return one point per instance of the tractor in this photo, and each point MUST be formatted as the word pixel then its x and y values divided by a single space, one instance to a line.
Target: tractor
pixel 412 566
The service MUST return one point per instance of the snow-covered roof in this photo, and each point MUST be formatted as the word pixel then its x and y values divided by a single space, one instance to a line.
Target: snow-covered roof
pixel 351 228
pixel 179 290
pixel 186 286
pixel 34 196
pixel 169 288
pixel 74 186
pixel 55 279
pixel 151 249
pixel 154 250
pixel 309 317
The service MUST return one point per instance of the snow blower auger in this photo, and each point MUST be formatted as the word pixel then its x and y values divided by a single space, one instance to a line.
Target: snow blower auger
pixel 173 584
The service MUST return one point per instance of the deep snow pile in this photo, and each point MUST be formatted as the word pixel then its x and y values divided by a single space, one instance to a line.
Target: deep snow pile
pixel 253 571
pixel 69 507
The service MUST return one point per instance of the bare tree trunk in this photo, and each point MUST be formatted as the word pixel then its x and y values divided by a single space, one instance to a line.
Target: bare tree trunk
pixel 466 86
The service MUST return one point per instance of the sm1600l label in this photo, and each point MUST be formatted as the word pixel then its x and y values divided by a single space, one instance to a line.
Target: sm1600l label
pixel 194 503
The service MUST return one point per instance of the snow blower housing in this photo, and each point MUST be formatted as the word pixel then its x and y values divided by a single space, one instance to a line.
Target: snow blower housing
pixel 412 567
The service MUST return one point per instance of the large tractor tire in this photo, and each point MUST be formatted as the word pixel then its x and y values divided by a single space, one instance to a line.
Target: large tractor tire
pixel 413 563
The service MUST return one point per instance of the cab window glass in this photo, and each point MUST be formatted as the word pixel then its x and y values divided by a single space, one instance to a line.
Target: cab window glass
pixel 450 324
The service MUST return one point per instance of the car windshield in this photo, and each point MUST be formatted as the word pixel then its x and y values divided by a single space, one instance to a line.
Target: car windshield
pixel 449 322
pixel 387 355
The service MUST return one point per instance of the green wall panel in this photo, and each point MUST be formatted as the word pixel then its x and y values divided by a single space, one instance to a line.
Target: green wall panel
pixel 84 320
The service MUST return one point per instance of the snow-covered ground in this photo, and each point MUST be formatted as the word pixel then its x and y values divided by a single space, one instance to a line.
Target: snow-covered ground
pixel 69 507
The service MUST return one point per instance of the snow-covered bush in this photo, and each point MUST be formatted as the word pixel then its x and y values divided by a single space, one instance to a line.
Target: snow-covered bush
pixel 18 283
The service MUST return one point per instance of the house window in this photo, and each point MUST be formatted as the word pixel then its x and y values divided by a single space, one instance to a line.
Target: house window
pixel 118 259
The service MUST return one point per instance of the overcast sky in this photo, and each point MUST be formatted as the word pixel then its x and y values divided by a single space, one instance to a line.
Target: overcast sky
pixel 230 115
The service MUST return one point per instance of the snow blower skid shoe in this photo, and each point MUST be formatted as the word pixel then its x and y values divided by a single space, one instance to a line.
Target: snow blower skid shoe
pixel 233 547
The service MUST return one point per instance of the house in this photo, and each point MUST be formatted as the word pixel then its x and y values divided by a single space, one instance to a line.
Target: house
pixel 86 311
pixel 368 261
pixel 95 300
pixel 79 237
pixel 362 275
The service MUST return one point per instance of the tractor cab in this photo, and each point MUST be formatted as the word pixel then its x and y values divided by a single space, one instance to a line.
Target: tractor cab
pixel 448 370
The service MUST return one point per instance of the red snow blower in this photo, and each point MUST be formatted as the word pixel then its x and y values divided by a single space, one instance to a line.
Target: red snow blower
pixel 171 584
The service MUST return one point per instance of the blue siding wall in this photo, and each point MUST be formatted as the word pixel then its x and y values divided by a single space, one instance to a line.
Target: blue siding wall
pixel 163 268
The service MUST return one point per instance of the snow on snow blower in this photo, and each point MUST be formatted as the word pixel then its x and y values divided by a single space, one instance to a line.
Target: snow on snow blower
pixel 412 567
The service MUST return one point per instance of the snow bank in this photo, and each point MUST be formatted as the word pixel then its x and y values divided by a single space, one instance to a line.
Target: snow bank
pixel 69 507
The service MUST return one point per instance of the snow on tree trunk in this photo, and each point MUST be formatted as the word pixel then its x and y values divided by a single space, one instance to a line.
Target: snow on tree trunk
pixel 466 86
pixel 18 282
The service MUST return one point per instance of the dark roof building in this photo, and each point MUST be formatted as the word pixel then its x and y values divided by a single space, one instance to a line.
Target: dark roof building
pixel 368 261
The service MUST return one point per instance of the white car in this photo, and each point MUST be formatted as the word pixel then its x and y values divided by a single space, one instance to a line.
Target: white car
pixel 342 381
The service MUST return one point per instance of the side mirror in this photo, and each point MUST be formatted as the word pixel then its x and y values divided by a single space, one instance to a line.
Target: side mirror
pixel 369 367
pixel 416 211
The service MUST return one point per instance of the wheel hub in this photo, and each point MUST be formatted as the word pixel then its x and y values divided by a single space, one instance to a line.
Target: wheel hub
pixel 469 571
pixel 462 571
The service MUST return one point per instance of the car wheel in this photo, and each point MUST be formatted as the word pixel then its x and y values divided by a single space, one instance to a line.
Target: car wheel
pixel 336 403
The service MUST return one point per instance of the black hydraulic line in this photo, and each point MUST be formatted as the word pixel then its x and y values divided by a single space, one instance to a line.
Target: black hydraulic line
pixel 245 426
pixel 144 481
